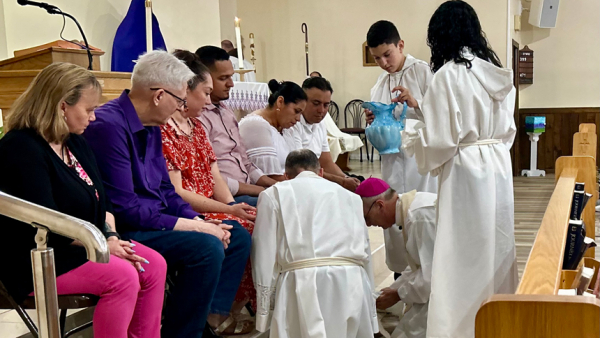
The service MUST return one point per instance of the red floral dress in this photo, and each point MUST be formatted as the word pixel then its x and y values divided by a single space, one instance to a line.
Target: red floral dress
pixel 193 156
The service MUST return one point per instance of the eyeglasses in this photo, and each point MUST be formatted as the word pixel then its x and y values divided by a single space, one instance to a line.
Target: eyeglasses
pixel 182 102
pixel 369 211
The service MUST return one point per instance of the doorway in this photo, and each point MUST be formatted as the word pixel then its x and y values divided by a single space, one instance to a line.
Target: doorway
pixel 514 151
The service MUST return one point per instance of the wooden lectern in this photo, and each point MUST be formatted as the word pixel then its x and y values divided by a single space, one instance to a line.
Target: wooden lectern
pixel 57 51
pixel 17 73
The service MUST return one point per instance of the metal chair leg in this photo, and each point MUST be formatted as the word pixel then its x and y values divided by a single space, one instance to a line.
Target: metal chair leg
pixel 62 320
pixel 77 329
pixel 372 153
pixel 20 311
pixel 28 322
pixel 250 310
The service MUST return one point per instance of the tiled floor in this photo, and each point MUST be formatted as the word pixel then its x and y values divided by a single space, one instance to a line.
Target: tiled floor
pixel 531 198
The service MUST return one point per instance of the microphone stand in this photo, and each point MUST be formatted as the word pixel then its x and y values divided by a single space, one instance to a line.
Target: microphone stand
pixel 51 9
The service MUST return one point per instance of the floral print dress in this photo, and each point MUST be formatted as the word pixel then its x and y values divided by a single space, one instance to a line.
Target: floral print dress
pixel 193 155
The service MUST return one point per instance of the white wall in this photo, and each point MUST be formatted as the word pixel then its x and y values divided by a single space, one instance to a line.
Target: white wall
pixel 3 46
pixel 228 12
pixel 184 24
pixel 566 64
pixel 337 30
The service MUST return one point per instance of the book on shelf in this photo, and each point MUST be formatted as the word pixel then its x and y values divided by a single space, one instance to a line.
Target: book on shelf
pixel 583 279
pixel 575 237
pixel 578 201
pixel 576 243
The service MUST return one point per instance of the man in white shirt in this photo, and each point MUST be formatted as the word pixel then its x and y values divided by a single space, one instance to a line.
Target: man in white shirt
pixel 413 213
pixel 311 257
pixel 311 132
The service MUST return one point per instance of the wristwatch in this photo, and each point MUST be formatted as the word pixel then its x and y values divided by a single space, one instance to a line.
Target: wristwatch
pixel 111 234
pixel 107 232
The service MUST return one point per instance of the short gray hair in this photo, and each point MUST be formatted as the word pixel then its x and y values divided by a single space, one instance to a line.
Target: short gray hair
pixel 385 196
pixel 301 160
pixel 158 68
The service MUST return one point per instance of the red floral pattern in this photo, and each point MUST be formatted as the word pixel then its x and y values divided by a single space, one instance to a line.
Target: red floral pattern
pixel 80 172
pixel 193 156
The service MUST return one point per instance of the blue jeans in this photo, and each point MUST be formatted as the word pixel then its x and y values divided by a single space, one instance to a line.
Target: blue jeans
pixel 250 200
pixel 207 278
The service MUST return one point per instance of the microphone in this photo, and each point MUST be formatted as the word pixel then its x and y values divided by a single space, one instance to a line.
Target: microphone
pixel 51 9
pixel 43 5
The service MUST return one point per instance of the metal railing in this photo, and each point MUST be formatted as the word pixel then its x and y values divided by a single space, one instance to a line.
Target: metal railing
pixel 42 258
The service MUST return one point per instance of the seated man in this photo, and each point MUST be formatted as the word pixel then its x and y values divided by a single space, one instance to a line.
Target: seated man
pixel 311 132
pixel 310 241
pixel 414 213
pixel 208 258
pixel 227 45
pixel 245 180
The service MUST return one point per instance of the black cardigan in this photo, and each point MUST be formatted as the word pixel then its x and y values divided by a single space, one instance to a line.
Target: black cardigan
pixel 31 170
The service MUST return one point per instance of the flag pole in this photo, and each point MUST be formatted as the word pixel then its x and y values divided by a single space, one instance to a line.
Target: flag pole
pixel 148 25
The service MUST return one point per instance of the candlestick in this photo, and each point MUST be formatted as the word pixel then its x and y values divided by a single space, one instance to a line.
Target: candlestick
pixel 148 25
pixel 238 38
pixel 252 58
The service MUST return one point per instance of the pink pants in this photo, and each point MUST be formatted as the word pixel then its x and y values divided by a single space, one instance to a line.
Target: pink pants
pixel 130 301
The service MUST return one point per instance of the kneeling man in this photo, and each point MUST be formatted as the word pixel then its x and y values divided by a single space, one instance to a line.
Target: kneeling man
pixel 414 213
pixel 311 258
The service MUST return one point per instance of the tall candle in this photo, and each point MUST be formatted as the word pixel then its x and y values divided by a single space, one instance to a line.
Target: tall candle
pixel 149 25
pixel 238 39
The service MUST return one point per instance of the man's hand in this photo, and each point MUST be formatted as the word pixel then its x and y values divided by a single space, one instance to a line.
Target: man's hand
pixel 215 228
pixel 405 96
pixel 124 250
pixel 227 234
pixel 350 183
pixel 369 116
pixel 387 299
pixel 243 211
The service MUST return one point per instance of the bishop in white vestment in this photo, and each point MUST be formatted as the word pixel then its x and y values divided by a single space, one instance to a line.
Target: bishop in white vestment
pixel 468 131
pixel 414 214
pixel 311 259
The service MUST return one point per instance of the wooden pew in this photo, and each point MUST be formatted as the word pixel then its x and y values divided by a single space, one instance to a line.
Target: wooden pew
pixel 535 310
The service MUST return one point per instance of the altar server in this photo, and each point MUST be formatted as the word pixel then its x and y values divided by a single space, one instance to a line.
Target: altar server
pixel 311 257
pixel 469 130
pixel 398 170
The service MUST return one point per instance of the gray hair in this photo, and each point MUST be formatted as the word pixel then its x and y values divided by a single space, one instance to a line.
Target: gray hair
pixel 385 196
pixel 158 68
pixel 301 160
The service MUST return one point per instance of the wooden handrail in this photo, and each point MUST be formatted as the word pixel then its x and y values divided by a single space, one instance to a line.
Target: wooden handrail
pixel 542 272
pixel 536 311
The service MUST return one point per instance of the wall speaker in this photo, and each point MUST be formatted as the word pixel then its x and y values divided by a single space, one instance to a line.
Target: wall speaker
pixel 543 13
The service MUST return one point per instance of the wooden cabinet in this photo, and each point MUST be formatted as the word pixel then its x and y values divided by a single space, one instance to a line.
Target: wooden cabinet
pixel 557 141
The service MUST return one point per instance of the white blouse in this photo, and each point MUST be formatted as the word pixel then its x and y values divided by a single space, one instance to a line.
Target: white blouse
pixel 265 146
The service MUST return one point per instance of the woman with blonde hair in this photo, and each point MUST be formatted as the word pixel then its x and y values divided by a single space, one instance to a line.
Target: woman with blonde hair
pixel 46 161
